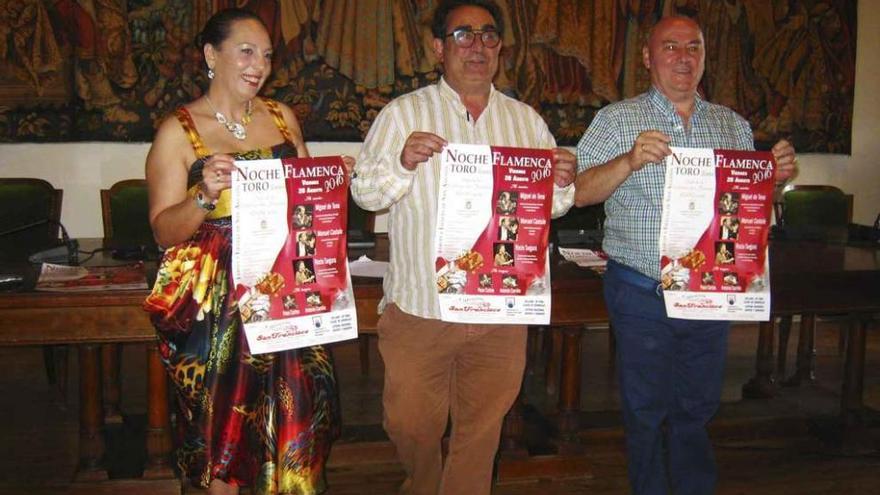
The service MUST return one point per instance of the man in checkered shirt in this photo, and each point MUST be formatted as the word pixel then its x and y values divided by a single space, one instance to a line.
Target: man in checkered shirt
pixel 670 370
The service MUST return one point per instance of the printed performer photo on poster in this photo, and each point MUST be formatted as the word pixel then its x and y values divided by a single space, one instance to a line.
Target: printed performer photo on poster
pixel 305 272
pixel 729 279
pixel 728 203
pixel 724 253
pixel 708 279
pixel 305 243
pixel 506 204
pixel 729 228
pixel 503 254
pixel 289 303
pixel 302 216
pixel 507 228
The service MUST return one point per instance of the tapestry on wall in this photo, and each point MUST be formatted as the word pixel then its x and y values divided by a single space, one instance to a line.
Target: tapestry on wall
pixel 111 70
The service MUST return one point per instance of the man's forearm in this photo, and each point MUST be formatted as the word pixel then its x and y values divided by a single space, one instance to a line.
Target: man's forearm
pixel 596 184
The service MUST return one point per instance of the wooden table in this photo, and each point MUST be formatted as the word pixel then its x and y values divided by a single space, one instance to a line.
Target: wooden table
pixel 804 277
pixel 817 278
pixel 88 320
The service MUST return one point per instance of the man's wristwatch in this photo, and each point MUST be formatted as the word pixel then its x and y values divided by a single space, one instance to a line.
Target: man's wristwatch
pixel 204 203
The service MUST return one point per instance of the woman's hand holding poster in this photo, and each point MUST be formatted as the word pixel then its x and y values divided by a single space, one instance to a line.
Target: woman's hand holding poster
pixel 289 262
pixel 491 238
pixel 713 234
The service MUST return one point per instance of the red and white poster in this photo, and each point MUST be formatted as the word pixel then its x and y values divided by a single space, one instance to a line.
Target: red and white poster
pixel 714 262
pixel 493 223
pixel 289 262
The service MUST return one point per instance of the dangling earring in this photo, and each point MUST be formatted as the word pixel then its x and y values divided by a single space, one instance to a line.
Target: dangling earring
pixel 210 73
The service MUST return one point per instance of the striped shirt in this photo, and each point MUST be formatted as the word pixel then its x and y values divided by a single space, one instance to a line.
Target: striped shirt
pixel 380 181
pixel 632 224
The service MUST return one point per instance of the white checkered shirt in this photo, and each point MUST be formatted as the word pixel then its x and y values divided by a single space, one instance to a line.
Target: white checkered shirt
pixel 632 224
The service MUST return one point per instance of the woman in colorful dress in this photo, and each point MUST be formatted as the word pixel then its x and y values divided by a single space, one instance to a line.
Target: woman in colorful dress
pixel 264 421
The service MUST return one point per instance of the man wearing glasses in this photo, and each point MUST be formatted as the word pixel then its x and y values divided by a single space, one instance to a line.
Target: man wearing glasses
pixel 433 369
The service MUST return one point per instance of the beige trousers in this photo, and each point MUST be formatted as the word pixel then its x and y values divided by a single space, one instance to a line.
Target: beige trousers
pixel 436 370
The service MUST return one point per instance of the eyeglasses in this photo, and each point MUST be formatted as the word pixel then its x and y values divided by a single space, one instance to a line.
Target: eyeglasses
pixel 464 37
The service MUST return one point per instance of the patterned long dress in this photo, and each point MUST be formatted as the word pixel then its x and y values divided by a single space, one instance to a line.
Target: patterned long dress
pixel 264 421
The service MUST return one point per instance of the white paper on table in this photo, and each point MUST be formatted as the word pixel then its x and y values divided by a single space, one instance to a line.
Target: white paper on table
pixel 365 267
pixel 50 272
pixel 583 257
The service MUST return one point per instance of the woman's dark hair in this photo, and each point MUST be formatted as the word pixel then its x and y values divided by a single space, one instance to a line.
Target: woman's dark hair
pixel 217 28
pixel 438 24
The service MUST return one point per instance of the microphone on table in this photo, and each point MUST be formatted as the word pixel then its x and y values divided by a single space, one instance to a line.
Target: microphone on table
pixel 67 251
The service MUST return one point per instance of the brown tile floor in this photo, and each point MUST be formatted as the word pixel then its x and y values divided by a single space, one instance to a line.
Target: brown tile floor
pixel 763 447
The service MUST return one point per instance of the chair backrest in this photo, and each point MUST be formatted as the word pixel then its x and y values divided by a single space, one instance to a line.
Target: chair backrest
pixel 579 226
pixel 361 226
pixel 25 201
pixel 816 212
pixel 125 210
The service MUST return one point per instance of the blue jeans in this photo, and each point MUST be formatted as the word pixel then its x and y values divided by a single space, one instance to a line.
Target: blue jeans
pixel 671 372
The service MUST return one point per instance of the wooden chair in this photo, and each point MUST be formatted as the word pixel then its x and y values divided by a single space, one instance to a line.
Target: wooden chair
pixel 26 201
pixel 125 211
pixel 815 212
pixel 810 212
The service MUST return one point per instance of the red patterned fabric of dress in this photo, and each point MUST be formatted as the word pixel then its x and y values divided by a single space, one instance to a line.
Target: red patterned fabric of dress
pixel 264 421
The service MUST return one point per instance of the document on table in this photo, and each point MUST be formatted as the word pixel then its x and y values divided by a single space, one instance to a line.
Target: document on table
pixel 586 258
pixel 64 278
pixel 365 267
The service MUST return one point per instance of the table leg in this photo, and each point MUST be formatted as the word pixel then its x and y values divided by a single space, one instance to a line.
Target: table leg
pixel 158 419
pixel 110 371
pixel 806 352
pixel 364 352
pixel 513 430
pixel 762 385
pixel 55 360
pixel 91 416
pixel 570 382
pixel 552 360
pixel 782 349
pixel 851 400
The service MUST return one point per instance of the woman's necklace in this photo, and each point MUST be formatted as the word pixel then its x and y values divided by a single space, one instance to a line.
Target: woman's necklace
pixel 237 129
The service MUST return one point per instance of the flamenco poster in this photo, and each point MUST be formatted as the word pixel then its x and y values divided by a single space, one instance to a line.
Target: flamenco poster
pixel 714 263
pixel 491 237
pixel 289 261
